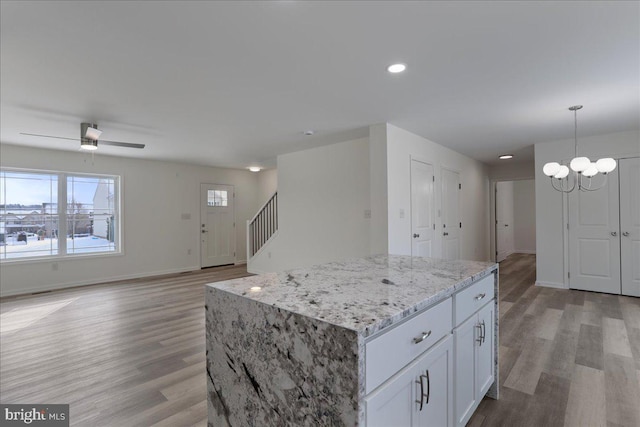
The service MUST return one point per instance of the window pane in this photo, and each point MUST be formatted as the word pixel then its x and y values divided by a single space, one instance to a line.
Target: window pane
pixel 91 215
pixel 216 198
pixel 28 214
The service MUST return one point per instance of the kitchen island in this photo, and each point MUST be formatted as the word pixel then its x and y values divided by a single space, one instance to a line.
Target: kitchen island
pixel 382 340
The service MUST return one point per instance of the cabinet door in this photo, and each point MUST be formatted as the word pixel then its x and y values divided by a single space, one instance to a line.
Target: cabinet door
pixel 485 351
pixel 465 343
pixel 437 366
pixel 397 403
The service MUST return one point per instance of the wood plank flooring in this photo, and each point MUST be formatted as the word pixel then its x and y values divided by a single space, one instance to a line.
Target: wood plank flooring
pixel 568 358
pixel 131 353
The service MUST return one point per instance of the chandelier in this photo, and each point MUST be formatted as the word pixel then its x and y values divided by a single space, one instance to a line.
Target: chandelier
pixel 583 168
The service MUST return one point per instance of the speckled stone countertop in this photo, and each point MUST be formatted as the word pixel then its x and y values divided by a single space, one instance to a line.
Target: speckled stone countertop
pixel 365 295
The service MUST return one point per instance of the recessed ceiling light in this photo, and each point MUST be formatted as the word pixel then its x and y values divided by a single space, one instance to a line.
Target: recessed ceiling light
pixel 309 132
pixel 254 168
pixel 505 156
pixel 396 68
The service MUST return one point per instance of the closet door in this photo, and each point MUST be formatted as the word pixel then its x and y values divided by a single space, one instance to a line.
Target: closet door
pixel 594 238
pixel 630 225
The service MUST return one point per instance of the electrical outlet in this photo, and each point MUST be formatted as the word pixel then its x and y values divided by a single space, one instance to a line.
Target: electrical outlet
pixel 269 253
pixel 54 266
pixel 367 213
pixel 401 213
pixel 185 216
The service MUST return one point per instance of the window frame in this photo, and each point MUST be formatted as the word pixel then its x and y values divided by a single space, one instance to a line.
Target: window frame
pixel 63 219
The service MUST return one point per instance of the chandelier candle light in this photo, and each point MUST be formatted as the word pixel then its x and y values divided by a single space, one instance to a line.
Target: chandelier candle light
pixel 583 168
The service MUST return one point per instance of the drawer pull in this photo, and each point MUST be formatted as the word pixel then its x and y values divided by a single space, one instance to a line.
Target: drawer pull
pixel 421 338
pixel 480 296
pixel 422 395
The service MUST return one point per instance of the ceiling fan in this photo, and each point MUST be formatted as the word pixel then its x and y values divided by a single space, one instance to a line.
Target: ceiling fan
pixel 89 136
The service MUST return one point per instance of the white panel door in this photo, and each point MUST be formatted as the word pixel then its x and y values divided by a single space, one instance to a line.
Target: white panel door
pixel 594 241
pixel 630 225
pixel 422 207
pixel 217 225
pixel 504 219
pixel 450 214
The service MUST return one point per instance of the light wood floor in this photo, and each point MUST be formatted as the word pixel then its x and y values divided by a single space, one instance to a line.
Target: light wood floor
pixel 567 358
pixel 132 353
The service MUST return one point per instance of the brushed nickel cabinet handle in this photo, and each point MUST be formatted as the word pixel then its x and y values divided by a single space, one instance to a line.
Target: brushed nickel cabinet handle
pixel 625 234
pixel 428 387
pixel 421 338
pixel 480 296
pixel 422 395
pixel 484 331
pixel 479 339
pixel 614 233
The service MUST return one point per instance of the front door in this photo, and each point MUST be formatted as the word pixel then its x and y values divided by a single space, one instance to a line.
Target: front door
pixel 422 221
pixel 594 240
pixel 450 214
pixel 630 225
pixel 217 225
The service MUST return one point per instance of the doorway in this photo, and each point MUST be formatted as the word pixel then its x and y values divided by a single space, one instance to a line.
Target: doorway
pixel 217 225
pixel 451 223
pixel 514 220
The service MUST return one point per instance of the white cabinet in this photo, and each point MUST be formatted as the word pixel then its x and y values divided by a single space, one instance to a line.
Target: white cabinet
pixel 474 361
pixel 419 395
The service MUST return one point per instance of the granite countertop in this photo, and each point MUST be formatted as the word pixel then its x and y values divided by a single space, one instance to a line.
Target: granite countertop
pixel 365 294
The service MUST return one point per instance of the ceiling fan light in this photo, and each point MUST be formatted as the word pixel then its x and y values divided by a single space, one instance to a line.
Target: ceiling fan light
pixel 606 165
pixel 551 168
pixel 89 145
pixel 562 172
pixel 580 164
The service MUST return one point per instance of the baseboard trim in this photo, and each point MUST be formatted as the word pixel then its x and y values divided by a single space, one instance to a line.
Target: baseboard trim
pixel 551 285
pixel 524 251
pixel 36 289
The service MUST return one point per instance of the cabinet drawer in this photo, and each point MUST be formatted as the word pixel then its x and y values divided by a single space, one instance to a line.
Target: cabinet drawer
pixel 393 350
pixel 472 299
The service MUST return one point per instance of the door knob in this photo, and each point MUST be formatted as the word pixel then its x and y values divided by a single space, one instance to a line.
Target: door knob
pixel 415 236
pixel 625 234
pixel 445 234
pixel 613 233
pixel 205 231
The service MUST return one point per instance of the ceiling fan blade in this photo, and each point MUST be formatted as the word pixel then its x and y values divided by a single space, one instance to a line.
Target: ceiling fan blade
pixel 50 136
pixel 120 144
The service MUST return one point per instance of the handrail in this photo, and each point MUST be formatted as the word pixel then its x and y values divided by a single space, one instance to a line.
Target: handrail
pixel 262 226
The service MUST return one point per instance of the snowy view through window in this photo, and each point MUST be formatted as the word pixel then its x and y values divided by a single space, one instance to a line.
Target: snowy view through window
pixel 33 219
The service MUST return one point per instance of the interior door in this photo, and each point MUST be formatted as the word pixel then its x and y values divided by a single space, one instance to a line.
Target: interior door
pixel 630 225
pixel 504 219
pixel 422 207
pixel 594 241
pixel 217 225
pixel 450 214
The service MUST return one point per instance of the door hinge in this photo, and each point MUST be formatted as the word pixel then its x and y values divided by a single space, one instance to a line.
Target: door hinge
pixel 433 178
pixel 568 275
pixel 567 226
pixel 434 226
pixel 459 186
pixel 460 225
pixel 234 254
pixel 234 224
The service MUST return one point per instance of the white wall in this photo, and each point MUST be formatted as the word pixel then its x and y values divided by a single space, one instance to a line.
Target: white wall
pixel 512 170
pixel 524 216
pixel 551 213
pixel 267 185
pixel 474 201
pixel 154 195
pixel 322 197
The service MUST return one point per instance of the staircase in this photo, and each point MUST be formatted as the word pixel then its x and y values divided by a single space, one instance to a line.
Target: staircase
pixel 262 227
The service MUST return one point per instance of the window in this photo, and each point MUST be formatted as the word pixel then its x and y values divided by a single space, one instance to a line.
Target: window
pixel 56 214
pixel 217 198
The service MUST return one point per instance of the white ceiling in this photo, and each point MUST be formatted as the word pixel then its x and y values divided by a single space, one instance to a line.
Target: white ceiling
pixel 236 83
